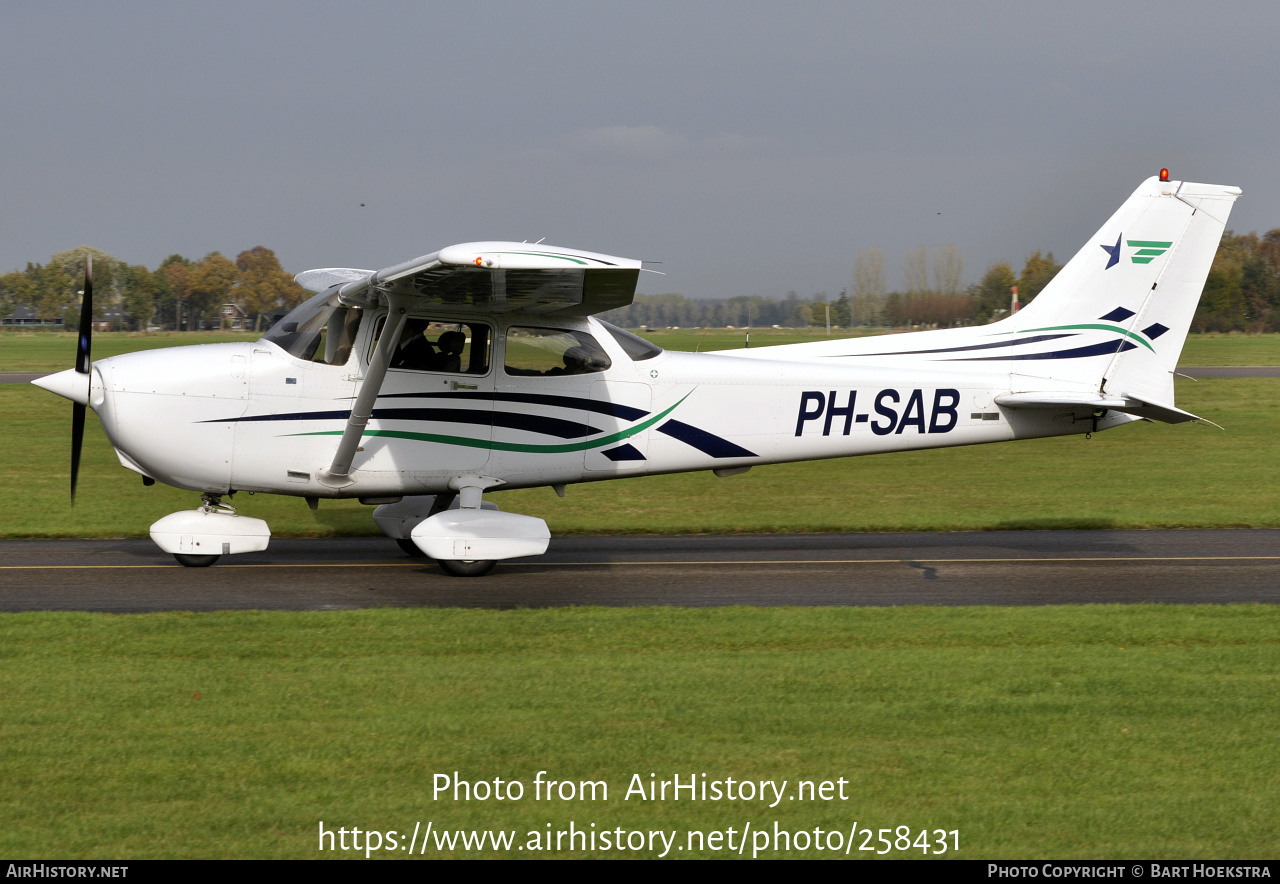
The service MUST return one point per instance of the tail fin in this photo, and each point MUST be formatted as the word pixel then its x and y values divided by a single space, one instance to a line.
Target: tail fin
pixel 1124 303
pixel 1109 327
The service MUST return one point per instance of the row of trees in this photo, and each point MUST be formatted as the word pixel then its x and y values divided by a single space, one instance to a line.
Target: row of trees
pixel 664 311
pixel 179 294
pixel 1242 292
pixel 944 302
pixel 933 297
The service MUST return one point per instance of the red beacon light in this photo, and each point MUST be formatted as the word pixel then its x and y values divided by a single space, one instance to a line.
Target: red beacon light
pixel 1164 174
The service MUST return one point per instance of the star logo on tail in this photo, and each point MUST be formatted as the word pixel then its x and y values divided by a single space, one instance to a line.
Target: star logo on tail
pixel 1113 251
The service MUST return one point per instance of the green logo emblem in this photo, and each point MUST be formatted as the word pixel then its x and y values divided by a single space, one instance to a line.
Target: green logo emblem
pixel 1147 249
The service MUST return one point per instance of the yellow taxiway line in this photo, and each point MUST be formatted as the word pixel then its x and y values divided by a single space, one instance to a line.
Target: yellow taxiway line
pixel 640 564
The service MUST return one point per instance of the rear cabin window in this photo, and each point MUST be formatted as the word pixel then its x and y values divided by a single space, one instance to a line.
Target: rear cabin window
pixel 439 345
pixel 552 352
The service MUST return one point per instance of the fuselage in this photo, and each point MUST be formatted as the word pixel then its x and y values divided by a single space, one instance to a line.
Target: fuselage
pixel 423 386
pixel 255 417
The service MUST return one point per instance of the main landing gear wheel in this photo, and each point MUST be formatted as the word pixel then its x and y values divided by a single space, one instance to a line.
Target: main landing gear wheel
pixel 410 548
pixel 460 568
pixel 188 561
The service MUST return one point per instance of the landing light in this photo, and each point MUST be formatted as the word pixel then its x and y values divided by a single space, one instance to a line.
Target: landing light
pixel 1164 174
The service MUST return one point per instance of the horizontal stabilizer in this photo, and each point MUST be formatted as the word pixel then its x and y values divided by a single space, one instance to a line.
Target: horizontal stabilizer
pixel 1156 411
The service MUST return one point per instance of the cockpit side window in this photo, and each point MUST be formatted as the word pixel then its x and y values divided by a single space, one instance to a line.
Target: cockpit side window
pixel 633 345
pixel 320 329
pixel 441 345
pixel 550 352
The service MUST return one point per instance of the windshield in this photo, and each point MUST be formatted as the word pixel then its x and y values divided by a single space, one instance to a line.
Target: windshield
pixel 633 345
pixel 318 330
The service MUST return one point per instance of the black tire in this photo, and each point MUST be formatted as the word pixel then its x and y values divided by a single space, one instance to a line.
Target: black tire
pixel 188 561
pixel 410 548
pixel 458 568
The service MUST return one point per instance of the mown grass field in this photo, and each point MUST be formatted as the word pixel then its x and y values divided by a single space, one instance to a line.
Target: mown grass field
pixel 54 351
pixel 1040 732
pixel 1037 732
pixel 1137 476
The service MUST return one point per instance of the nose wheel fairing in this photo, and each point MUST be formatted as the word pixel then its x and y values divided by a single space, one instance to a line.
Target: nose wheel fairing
pixel 196 538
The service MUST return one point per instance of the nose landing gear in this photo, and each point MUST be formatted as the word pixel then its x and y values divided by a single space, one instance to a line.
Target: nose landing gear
pixel 198 538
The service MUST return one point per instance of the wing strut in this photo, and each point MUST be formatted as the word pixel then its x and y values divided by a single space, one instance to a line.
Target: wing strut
pixel 337 474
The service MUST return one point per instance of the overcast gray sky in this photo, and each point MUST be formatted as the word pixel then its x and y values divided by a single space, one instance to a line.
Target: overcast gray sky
pixel 753 148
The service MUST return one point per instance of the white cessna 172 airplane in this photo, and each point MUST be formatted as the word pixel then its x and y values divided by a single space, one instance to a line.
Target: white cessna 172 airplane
pixel 477 368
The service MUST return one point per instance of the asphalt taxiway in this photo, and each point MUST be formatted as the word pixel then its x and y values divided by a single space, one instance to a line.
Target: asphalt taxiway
pixel 978 568
pixel 20 377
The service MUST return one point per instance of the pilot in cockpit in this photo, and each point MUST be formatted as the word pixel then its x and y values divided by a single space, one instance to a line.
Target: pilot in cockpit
pixel 414 350
pixel 575 361
pixel 450 344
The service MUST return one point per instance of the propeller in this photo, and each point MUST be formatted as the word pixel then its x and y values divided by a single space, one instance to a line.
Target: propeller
pixel 82 367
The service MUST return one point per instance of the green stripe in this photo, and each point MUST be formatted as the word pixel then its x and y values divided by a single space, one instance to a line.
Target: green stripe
pixel 1111 328
pixel 1148 243
pixel 492 444
pixel 1143 260
pixel 1155 253
pixel 581 261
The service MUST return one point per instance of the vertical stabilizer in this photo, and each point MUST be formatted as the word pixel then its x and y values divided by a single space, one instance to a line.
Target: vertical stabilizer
pixel 1127 298
pixel 1111 324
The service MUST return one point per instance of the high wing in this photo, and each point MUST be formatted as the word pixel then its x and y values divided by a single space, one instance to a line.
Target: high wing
pixel 492 277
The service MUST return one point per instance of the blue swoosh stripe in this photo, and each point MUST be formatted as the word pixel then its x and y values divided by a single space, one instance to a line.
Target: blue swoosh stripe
pixel 532 423
pixel 292 416
pixel 612 409
pixel 623 453
pixel 707 443
pixel 1035 339
pixel 1077 353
